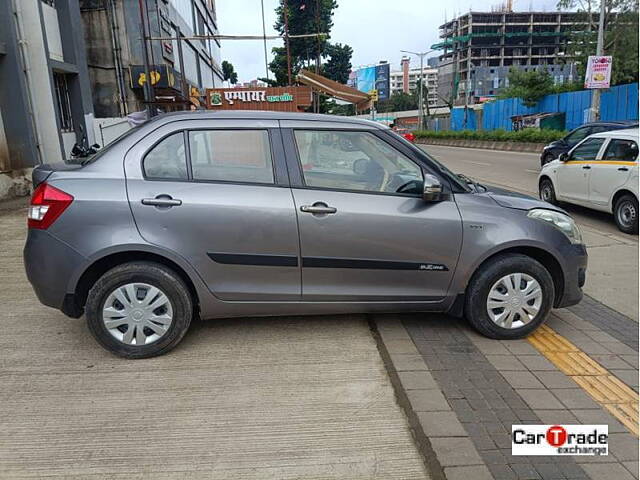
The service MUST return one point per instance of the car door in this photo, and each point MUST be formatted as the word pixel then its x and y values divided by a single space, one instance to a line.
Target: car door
pixel 612 171
pixel 216 193
pixel 572 176
pixel 365 232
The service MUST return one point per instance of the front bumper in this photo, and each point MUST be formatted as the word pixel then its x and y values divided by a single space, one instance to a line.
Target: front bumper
pixel 575 260
pixel 49 264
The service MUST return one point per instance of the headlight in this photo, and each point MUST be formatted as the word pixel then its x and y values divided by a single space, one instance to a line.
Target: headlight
pixel 562 222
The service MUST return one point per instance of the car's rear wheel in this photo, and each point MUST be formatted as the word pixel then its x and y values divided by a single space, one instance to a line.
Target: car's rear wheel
pixel 139 310
pixel 625 212
pixel 509 297
pixel 547 192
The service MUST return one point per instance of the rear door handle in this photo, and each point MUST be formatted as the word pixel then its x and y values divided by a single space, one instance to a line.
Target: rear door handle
pixel 318 208
pixel 586 167
pixel 162 201
pixel 623 169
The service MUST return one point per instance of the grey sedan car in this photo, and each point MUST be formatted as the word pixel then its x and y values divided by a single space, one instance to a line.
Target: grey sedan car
pixel 232 214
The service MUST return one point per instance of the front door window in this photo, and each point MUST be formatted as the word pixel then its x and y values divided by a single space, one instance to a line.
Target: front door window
pixel 587 151
pixel 357 161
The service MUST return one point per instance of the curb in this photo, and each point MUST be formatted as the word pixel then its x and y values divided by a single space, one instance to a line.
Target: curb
pixel 434 469
pixel 484 144
pixel 443 442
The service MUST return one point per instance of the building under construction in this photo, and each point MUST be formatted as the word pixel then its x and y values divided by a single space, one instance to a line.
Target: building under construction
pixel 479 48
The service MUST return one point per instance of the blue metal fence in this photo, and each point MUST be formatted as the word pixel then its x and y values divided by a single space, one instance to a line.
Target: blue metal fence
pixel 617 103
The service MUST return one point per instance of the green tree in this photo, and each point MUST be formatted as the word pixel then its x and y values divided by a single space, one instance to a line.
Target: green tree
pixel 228 73
pixel 530 86
pixel 620 38
pixel 308 17
pixel 338 66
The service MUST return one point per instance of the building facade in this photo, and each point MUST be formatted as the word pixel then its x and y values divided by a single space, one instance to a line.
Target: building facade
pixel 406 81
pixel 45 97
pixel 179 71
pixel 479 48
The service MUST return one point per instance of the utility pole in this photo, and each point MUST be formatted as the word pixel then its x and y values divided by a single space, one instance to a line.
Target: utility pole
pixel 286 40
pixel 420 102
pixel 264 40
pixel 147 88
pixel 595 99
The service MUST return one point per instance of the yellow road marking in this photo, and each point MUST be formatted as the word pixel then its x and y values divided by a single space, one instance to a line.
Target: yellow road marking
pixel 606 389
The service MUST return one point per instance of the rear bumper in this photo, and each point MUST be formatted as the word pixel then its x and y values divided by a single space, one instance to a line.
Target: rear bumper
pixel 49 264
pixel 575 274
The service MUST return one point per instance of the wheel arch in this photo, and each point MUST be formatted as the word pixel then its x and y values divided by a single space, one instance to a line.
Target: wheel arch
pixel 618 194
pixel 76 300
pixel 548 260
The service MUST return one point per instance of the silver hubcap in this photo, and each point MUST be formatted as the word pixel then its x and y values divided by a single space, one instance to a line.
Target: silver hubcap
pixel 514 300
pixel 626 213
pixel 137 314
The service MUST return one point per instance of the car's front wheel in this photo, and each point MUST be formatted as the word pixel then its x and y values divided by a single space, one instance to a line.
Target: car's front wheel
pixel 509 297
pixel 139 310
pixel 547 192
pixel 625 212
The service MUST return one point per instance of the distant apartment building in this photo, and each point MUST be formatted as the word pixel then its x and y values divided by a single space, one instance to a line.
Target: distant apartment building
pixel 45 97
pixel 115 52
pixel 479 48
pixel 406 80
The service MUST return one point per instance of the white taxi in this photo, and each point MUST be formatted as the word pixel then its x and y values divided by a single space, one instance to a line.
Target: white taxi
pixel 601 172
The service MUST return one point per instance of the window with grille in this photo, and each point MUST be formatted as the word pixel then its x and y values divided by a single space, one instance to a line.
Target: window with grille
pixel 63 101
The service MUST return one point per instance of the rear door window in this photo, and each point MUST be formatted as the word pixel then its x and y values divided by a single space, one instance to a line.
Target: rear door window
pixel 242 156
pixel 621 150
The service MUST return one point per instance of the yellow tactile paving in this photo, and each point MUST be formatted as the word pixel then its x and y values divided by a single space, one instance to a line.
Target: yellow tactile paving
pixel 606 389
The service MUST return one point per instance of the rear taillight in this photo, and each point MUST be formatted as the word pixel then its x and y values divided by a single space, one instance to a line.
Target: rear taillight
pixel 47 204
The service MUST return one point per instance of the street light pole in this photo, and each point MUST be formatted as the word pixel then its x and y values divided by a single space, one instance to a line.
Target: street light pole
pixel 595 101
pixel 420 101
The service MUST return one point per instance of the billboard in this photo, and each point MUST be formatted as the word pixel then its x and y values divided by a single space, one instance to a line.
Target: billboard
pixel 376 77
pixel 598 72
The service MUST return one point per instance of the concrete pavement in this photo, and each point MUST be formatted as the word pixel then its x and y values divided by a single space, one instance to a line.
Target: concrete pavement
pixel 247 398
pixel 612 277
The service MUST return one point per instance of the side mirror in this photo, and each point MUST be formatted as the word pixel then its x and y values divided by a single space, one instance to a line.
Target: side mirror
pixel 431 189
pixel 564 157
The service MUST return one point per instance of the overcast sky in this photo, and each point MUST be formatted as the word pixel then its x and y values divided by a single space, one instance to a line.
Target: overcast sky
pixel 375 29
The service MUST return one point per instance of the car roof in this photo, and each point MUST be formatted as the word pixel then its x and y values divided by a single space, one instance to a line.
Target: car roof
pixel 612 122
pixel 261 115
pixel 626 132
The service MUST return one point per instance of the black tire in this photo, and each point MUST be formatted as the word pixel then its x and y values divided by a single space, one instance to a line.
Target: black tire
pixel 156 275
pixel 491 272
pixel 546 191
pixel 625 213
pixel 549 157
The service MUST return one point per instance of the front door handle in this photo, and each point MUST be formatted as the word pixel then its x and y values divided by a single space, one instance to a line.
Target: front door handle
pixel 318 208
pixel 162 201
pixel 586 167
pixel 623 169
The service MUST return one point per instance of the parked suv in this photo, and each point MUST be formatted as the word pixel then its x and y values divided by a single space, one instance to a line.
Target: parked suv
pixel 601 172
pixel 231 214
pixel 575 136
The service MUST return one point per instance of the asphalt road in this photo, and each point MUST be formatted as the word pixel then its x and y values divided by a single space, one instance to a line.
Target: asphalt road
pixel 613 256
